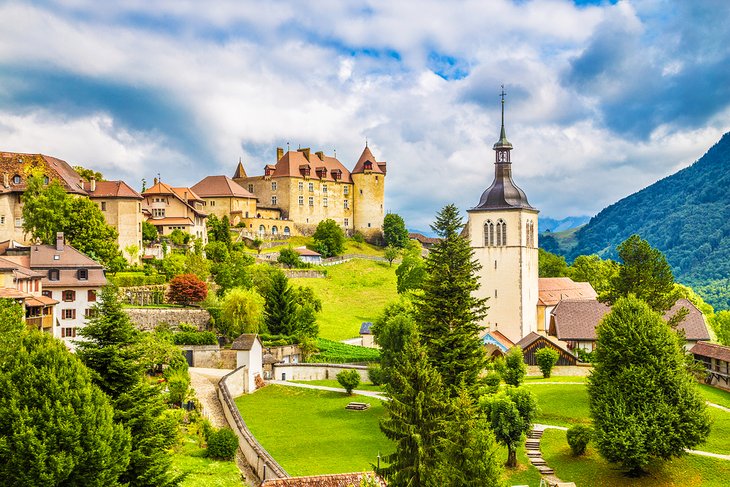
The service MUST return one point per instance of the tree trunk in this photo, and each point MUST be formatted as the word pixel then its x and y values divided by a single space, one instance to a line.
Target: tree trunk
pixel 511 457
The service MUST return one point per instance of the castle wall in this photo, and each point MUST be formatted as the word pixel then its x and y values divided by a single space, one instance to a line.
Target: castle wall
pixel 368 199
pixel 125 215
pixel 11 209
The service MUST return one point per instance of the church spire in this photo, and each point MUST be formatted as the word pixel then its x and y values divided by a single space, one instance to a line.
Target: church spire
pixel 502 143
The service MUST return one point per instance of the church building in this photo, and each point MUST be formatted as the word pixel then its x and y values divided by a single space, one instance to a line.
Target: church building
pixel 502 229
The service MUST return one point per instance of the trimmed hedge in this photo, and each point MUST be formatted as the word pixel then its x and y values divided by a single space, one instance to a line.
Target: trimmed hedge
pixel 331 352
pixel 222 444
pixel 194 338
pixel 132 279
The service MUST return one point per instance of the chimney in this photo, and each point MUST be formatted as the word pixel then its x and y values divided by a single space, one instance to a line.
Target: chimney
pixel 320 154
pixel 155 180
pixel 305 151
pixel 279 153
pixel 59 242
pixel 93 184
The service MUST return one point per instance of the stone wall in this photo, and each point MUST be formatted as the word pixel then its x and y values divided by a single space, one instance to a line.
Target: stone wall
pixel 147 319
pixel 304 273
pixel 261 462
pixel 211 356
pixel 316 371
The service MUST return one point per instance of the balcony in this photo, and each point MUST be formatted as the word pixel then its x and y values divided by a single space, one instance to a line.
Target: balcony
pixel 40 322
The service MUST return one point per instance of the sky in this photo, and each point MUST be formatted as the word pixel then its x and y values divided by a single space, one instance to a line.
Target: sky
pixel 603 97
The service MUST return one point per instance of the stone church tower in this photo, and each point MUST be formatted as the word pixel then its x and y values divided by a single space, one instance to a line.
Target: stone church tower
pixel 502 229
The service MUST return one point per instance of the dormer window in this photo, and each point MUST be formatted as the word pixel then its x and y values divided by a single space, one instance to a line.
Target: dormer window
pixel 16 179
pixel 368 166
pixel 82 274
pixel 53 275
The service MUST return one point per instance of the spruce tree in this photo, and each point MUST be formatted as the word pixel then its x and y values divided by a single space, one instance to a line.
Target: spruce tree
pixel 643 399
pixel 468 452
pixel 447 311
pixel 57 427
pixel 280 310
pixel 413 419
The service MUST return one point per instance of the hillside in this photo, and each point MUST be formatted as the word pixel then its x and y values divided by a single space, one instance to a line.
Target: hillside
pixel 547 224
pixel 685 215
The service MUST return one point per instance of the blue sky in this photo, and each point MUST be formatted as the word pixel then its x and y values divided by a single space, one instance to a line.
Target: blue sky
pixel 603 97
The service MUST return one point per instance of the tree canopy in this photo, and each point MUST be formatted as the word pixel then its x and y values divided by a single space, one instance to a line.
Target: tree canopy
pixel 395 233
pixel 329 239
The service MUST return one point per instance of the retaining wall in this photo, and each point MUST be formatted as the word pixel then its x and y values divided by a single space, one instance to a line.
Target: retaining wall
pixel 147 319
pixel 212 356
pixel 304 273
pixel 258 458
pixel 316 371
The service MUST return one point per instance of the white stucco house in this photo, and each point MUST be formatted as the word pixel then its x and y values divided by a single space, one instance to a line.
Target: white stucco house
pixel 249 354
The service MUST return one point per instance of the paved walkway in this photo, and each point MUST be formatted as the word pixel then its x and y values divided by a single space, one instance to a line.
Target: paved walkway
pixel 376 395
pixel 204 382
pixel 713 405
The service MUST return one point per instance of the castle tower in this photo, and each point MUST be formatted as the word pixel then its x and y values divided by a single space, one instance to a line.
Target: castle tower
pixel 502 229
pixel 368 179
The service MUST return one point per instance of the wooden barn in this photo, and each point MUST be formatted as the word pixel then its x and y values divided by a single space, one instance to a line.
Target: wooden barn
pixel 533 342
pixel 716 359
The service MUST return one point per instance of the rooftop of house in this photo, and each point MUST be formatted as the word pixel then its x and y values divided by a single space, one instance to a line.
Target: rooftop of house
pixel 220 186
pixel 245 341
pixel 305 252
pixel 577 319
pixel 186 196
pixel 294 164
pixel 711 350
pixel 552 289
pixel 368 162
pixel 14 164
pixel 424 240
pixel 366 328
pixel 110 189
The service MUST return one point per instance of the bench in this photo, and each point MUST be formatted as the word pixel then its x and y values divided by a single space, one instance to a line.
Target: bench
pixel 358 406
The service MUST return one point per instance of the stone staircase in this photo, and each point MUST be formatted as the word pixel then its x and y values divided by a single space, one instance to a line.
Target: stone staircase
pixel 532 445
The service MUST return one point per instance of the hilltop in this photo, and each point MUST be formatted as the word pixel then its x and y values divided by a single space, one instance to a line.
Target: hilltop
pixel 685 215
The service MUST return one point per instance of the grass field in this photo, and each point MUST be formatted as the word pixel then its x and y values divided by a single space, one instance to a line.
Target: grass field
pixel 189 458
pixel 364 386
pixel 562 378
pixel 351 247
pixel 591 470
pixel 715 395
pixel 352 293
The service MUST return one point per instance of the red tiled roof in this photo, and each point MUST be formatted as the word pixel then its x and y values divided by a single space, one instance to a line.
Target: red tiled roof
pixel 368 156
pixel 111 189
pixel 711 350
pixel 424 239
pixel 502 339
pixel 303 251
pixel 291 161
pixel 220 186
pixel 40 301
pixel 552 289
pixel 15 163
pixel 694 325
pixel 333 480
pixel 11 293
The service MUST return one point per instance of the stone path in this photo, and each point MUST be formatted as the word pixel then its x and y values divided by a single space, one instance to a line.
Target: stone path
pixel 376 395
pixel 718 406
pixel 204 382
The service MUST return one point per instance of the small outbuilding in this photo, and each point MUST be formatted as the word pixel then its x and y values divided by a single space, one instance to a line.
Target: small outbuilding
pixel 309 256
pixel 496 344
pixel 533 342
pixel 249 354
pixel 716 359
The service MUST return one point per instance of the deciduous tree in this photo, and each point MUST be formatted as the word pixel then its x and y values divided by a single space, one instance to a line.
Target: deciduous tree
pixel 242 312
pixel 392 330
pixel 349 380
pixel 448 312
pixel 395 233
pixel 187 288
pixel 643 399
pixel 511 413
pixel 289 258
pixel 391 253
pixel 329 239
pixel 546 359
pixel 412 270
pixel 515 368
pixel 594 270
pixel 551 265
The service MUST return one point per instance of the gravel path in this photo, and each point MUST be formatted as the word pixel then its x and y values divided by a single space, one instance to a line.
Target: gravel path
pixel 376 395
pixel 204 382
pixel 718 406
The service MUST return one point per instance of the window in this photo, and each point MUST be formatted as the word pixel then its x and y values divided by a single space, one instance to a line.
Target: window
pixel 68 332
pixel 273 185
pixel 103 206
pixel 301 185
pixel 82 274
pixel 324 188
pixel 501 233
pixel 46 180
pixel 2 219
pixel 18 222
pixel 212 203
pixel 368 225
pixel 68 314
pixel 250 188
pixel 311 201
pixel 36 283
pixel 91 296
pixel 158 212
pixel 346 204
pixel 274 230
pixel 530 230
pixel 16 179
pixel 91 313
pixel 324 201
pixel 262 229
pixel 360 191
pixel 53 275
pixel 488 233
pixel 47 294
pixel 347 222
pixel 273 200
pixel 345 189
pixel 311 186
pixel 301 201
pixel 495 293
pixel 377 178
pixel 69 295
pixel 287 232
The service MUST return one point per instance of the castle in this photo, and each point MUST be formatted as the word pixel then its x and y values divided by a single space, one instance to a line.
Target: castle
pixel 304 188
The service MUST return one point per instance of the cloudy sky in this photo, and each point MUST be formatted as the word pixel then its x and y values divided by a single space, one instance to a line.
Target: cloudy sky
pixel 603 98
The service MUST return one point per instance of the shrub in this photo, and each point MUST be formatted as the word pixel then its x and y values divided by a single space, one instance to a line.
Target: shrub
pixel 546 359
pixel 492 380
pixel 349 379
pixel 578 437
pixel 194 338
pixel 514 367
pixel 358 237
pixel 376 375
pixel 178 381
pixel 131 279
pixel 186 289
pixel 222 444
pixel 290 258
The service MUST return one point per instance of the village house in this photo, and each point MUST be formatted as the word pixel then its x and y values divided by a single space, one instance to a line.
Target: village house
pixel 716 359
pixel 309 256
pixel 222 196
pixel 170 209
pixel 552 290
pixel 249 354
pixel 303 188
pixel 24 285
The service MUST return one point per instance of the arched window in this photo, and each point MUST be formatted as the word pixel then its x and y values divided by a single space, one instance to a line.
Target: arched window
pixel 16 179
pixel 489 234
pixel 501 233
pixel 287 232
pixel 274 230
pixel 262 229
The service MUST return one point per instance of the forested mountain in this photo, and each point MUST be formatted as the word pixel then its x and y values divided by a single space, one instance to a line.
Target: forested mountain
pixel 685 215
pixel 547 224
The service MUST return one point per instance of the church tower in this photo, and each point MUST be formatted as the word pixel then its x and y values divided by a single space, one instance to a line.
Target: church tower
pixel 502 230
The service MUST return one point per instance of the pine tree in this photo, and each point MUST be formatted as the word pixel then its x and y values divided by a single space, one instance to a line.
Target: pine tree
pixel 643 399
pixel 57 427
pixel 447 312
pixel 280 310
pixel 468 451
pixel 413 420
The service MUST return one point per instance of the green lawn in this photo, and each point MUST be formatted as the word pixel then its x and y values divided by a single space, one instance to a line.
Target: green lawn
pixel 561 405
pixel 559 378
pixel 352 293
pixel 351 247
pixel 718 396
pixel 591 470
pixel 364 386
pixel 202 471
pixel 310 432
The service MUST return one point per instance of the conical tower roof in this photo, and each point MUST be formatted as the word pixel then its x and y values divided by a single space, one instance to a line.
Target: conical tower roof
pixel 240 171
pixel 365 157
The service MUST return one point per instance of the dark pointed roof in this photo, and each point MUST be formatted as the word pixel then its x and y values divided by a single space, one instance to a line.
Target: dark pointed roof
pixel 240 171
pixel 364 157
